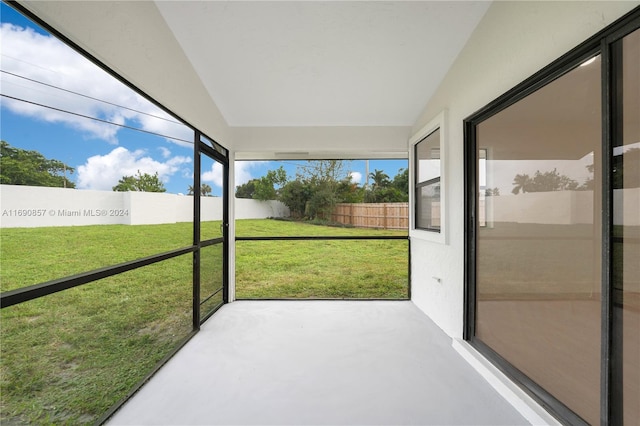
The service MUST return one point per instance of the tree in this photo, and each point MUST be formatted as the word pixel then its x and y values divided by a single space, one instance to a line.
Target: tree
pixel 140 182
pixel 385 195
pixel 295 195
pixel 380 179
pixel 205 190
pixel 589 184
pixel 265 187
pixel 318 186
pixel 349 192
pixel 318 171
pixel 521 183
pixel 22 167
pixel 246 190
pixel 401 181
pixel 384 190
pixel 321 203
pixel 543 182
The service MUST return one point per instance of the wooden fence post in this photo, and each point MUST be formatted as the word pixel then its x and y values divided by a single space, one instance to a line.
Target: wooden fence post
pixel 384 212
pixel 351 214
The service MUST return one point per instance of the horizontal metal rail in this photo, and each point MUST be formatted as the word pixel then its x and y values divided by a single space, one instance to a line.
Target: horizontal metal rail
pixel 327 237
pixel 202 302
pixel 213 242
pixel 321 299
pixel 25 294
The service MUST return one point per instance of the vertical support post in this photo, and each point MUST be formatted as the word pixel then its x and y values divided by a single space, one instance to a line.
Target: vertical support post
pixel 606 206
pixel 225 224
pixel 612 405
pixel 196 230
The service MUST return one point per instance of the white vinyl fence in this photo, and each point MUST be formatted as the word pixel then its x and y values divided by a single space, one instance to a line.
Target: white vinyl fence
pixel 33 206
pixel 558 207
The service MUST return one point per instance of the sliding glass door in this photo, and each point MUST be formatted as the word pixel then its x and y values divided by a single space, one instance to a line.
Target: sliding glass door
pixel 553 241
pixel 538 264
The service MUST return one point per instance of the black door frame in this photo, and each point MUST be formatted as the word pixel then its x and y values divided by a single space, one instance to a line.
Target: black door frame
pixel 219 155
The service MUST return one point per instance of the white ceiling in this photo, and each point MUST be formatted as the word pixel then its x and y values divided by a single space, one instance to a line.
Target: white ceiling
pixel 305 78
pixel 304 63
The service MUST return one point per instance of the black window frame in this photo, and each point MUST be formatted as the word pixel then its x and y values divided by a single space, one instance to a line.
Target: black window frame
pixel 418 185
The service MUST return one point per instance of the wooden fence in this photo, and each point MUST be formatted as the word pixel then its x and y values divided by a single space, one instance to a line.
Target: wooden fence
pixel 373 215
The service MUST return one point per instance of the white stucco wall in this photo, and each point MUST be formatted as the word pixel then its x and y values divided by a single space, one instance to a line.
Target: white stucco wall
pixel 513 41
pixel 254 209
pixel 32 206
pixel 555 207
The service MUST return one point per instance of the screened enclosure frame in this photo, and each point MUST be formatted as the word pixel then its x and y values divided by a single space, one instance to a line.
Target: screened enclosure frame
pixel 335 238
pixel 212 150
pixel 610 371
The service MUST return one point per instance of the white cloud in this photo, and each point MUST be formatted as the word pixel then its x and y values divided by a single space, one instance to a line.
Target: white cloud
pixel 242 173
pixel 46 59
pixel 166 153
pixel 102 172
pixel 214 175
pixel 356 177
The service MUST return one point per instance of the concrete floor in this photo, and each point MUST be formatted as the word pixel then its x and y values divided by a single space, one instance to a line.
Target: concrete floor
pixel 318 362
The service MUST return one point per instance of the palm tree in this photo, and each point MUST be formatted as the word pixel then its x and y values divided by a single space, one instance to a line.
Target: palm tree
pixel 521 183
pixel 205 190
pixel 380 179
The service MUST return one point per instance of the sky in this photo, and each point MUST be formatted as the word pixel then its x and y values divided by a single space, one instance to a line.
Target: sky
pixel 49 91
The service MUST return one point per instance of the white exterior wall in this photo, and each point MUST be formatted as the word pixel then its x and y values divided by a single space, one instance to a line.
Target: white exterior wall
pixel 557 207
pixel 254 209
pixel 32 206
pixel 513 41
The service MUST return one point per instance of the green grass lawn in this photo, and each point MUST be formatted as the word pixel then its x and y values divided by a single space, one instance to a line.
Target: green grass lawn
pixel 68 357
pixel 319 269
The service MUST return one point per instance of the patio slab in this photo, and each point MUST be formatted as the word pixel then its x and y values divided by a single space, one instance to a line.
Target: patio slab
pixel 318 362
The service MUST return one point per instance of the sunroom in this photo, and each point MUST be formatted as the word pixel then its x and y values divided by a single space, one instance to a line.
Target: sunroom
pixel 517 122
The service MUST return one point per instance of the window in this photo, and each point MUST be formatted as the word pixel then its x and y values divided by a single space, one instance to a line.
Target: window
pixel 428 211
pixel 428 186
